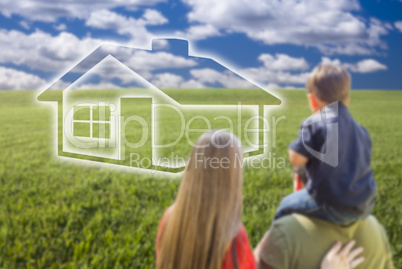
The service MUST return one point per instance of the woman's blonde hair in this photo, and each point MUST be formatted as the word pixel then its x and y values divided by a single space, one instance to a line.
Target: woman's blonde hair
pixel 206 215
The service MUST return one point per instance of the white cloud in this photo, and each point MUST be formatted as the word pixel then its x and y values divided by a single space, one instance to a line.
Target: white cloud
pixel 364 66
pixel 153 17
pixel 192 84
pixel 50 11
pixel 198 32
pixel 328 25
pixel 158 44
pixel 109 69
pixel 104 85
pixel 109 73
pixel 173 81
pixel 275 70
pixel 349 49
pixel 42 51
pixel 278 70
pixel 146 62
pixel 167 80
pixel 25 25
pixel 398 25
pixel 60 27
pixel 283 62
pixel 135 28
pixel 11 79
pixel 326 60
pixel 266 76
pixel 149 61
pixel 226 79
pixel 369 66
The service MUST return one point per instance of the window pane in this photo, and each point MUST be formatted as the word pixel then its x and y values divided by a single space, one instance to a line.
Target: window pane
pixel 101 113
pixel 82 113
pixel 82 129
pixel 101 130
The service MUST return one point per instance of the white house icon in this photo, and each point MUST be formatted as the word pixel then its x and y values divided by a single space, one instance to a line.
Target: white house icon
pixel 110 124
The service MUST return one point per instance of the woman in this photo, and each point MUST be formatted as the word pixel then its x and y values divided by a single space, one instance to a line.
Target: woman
pixel 203 229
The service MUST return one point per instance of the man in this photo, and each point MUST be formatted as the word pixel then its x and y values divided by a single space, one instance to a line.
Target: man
pixel 298 241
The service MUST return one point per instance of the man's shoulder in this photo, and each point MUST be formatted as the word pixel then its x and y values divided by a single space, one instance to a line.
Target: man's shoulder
pixel 303 220
pixel 300 233
pixel 292 238
pixel 298 223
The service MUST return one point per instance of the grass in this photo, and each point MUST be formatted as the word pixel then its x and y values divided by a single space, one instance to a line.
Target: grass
pixel 55 213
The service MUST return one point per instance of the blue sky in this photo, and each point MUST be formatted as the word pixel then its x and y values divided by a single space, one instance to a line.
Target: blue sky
pixel 274 43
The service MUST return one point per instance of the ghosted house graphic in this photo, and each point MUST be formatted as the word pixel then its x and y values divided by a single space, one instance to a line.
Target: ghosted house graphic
pixel 144 124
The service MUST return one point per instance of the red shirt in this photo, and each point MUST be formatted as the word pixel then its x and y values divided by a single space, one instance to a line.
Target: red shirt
pixel 244 253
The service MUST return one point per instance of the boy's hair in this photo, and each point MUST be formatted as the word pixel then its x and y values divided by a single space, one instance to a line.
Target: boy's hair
pixel 329 83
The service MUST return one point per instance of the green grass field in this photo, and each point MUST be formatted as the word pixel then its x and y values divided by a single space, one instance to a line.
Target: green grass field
pixel 60 214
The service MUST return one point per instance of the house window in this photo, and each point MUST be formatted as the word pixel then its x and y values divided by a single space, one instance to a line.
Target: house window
pixel 91 121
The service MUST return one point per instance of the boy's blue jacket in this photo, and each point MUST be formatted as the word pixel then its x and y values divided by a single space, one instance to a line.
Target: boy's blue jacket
pixel 339 153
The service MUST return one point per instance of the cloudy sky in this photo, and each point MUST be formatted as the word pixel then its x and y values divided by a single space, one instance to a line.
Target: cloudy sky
pixel 275 43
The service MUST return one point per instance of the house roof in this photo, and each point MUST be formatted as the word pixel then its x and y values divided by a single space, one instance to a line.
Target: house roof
pixel 210 96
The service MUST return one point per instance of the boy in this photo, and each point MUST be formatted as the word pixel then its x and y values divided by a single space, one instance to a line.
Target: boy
pixel 336 151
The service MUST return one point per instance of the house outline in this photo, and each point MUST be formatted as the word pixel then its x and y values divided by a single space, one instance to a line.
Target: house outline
pixel 52 94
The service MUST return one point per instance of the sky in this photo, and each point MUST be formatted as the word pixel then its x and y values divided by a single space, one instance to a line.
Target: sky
pixel 273 43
